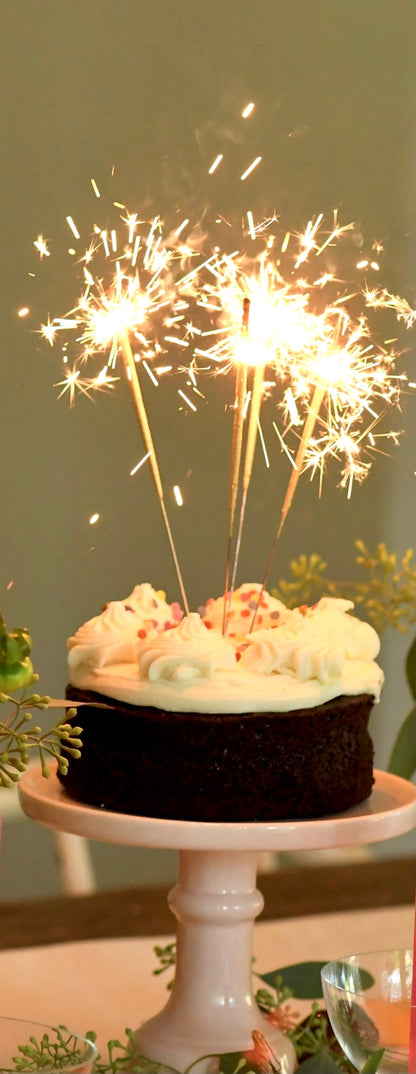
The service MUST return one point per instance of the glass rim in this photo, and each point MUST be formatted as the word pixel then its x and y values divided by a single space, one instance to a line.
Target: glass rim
pixel 91 1050
pixel 362 955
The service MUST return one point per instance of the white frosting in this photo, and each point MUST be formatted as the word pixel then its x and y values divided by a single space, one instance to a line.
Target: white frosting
pixel 112 636
pixel 189 652
pixel 308 657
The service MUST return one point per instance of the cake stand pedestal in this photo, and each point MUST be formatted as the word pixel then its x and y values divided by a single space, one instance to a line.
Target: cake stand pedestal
pixel 211 1008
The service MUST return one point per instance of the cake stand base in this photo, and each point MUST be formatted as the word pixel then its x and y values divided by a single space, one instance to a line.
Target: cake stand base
pixel 211 1009
pixel 215 903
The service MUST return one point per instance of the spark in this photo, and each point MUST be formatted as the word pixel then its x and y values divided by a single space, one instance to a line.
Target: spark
pixel 94 519
pixel 42 247
pixel 247 110
pixel 48 331
pixel 187 400
pixel 178 495
pixel 23 312
pixel 181 227
pixel 380 298
pixel 139 464
pixel 72 383
pixel 263 444
pixel 73 227
pixel 215 164
pixel 251 228
pixel 178 342
pixel 95 188
pixel 150 374
pixel 292 409
pixel 250 168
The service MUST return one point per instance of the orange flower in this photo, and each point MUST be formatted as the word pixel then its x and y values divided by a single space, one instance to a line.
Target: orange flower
pixel 283 1017
pixel 262 1055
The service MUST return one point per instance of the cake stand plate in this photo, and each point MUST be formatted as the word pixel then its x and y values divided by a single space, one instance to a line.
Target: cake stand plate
pixel 389 811
pixel 211 1008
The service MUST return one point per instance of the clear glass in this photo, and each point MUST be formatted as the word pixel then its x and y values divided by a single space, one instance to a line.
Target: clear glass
pixel 367 1014
pixel 32 1046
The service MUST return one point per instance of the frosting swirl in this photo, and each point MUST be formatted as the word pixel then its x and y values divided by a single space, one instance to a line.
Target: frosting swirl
pixel 184 654
pixel 112 636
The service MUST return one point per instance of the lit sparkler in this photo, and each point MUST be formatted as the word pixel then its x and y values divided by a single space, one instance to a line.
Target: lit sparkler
pixel 345 372
pixel 108 316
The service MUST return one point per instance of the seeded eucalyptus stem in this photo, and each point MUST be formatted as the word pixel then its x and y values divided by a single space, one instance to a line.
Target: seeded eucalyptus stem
pixel 19 737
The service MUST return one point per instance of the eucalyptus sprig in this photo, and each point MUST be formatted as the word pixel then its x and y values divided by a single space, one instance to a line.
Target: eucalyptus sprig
pixel 49 1054
pixel 18 735
pixel 387 593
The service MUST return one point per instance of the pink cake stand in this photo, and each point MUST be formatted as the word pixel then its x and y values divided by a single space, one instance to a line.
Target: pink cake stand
pixel 211 1008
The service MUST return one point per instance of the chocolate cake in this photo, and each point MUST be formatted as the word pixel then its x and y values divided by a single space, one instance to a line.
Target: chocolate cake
pixel 184 721
pixel 260 766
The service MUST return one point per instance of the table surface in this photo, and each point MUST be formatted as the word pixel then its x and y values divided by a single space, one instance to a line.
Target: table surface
pixel 288 892
pixel 109 984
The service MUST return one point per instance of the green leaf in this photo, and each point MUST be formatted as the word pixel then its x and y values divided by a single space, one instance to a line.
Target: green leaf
pixel 372 1064
pixel 411 668
pixel 303 979
pixel 322 1063
pixel 231 1062
pixel 403 756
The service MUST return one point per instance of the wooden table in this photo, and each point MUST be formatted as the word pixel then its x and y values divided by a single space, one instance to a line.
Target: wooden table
pixel 144 911
pixel 109 984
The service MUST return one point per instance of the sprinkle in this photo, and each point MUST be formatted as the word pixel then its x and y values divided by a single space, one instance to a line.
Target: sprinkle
pixel 142 633
pixel 208 624
pixel 128 608
pixel 275 615
pixel 202 610
pixel 245 612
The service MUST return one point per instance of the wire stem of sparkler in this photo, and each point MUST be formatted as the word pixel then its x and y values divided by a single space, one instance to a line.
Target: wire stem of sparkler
pixel 240 395
pixel 131 371
pixel 307 433
pixel 253 426
pixel 238 426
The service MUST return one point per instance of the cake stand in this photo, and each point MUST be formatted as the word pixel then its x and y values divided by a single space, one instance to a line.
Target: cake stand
pixel 211 1008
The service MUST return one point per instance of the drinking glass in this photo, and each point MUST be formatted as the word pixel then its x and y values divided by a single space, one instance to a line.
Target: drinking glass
pixel 368 998
pixel 32 1046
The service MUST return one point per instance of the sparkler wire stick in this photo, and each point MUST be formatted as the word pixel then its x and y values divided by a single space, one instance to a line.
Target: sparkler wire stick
pixel 240 395
pixel 256 398
pixel 308 428
pixel 131 372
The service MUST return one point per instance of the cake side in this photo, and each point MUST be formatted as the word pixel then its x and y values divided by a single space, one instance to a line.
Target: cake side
pixel 251 767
